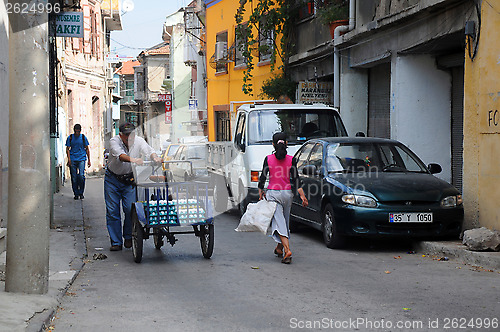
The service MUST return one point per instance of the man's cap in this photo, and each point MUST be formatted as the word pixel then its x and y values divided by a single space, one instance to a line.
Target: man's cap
pixel 126 128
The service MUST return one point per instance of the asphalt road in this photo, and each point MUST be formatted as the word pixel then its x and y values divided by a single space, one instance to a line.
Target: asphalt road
pixel 370 286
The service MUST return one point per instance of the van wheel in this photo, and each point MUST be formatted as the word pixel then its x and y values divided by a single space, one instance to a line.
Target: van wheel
pixel 242 202
pixel 220 195
pixel 332 239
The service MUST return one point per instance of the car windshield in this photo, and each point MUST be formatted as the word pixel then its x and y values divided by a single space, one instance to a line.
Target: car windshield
pixel 298 124
pixel 195 152
pixel 372 157
pixel 172 150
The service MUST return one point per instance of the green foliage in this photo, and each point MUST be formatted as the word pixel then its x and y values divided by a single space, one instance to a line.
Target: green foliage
pixel 278 86
pixel 333 10
pixel 276 15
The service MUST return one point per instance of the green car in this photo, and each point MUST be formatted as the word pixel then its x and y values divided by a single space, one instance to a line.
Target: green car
pixel 373 187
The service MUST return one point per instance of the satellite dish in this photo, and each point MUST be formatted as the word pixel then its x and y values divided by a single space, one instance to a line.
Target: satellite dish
pixel 127 6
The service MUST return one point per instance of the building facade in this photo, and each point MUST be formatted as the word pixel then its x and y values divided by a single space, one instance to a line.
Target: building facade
pixel 149 75
pixel 225 70
pixel 194 57
pixel 482 117
pixel 86 80
pixel 128 106
pixel 402 69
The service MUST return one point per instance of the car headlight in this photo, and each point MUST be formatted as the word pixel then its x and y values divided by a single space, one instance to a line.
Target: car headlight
pixel 451 201
pixel 359 200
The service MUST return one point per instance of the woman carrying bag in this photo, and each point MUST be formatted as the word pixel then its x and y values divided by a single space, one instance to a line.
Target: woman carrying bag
pixel 283 183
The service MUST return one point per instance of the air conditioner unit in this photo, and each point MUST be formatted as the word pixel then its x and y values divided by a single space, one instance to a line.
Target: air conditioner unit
pixel 220 51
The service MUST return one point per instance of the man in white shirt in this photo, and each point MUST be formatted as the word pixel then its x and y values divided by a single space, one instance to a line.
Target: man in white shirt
pixel 125 149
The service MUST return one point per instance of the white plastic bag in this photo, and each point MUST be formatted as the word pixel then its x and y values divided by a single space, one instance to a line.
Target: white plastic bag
pixel 257 217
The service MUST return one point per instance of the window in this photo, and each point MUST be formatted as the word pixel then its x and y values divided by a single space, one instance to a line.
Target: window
pixel 129 88
pixel 308 9
pixel 316 157
pixel 94 35
pixel 303 154
pixel 266 40
pixel 221 52
pixel 298 124
pixel 240 131
pixel 223 129
pixel 241 44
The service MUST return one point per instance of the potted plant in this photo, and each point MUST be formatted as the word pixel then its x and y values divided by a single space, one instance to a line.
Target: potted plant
pixel 334 13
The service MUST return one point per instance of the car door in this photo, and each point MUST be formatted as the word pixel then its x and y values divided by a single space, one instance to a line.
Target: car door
pixel 313 184
pixel 238 170
pixel 302 157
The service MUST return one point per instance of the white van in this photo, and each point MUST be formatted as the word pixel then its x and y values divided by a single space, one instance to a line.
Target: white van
pixel 234 166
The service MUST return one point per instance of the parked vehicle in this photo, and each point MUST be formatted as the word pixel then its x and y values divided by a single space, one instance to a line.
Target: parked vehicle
pixel 373 187
pixel 234 166
pixel 170 151
pixel 193 170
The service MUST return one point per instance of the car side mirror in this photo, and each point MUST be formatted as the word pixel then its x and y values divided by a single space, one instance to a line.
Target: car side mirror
pixel 434 168
pixel 310 170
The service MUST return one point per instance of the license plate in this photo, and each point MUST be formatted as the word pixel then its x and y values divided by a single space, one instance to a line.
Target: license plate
pixel 417 217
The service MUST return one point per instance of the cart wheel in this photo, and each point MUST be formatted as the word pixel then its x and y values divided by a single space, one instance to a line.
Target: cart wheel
pixel 207 240
pixel 137 237
pixel 158 238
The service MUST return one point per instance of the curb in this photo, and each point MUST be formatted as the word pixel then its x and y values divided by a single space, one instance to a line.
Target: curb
pixel 41 321
pixel 460 252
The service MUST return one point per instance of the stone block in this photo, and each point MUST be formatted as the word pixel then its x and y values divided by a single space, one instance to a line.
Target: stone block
pixel 482 239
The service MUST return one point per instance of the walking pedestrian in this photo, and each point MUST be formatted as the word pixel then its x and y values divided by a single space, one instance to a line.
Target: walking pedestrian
pixel 77 150
pixel 125 149
pixel 283 184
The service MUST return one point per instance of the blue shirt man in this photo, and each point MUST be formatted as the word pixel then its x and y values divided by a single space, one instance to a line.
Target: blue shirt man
pixel 77 150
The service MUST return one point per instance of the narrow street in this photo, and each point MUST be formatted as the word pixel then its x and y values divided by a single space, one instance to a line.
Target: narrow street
pixel 371 286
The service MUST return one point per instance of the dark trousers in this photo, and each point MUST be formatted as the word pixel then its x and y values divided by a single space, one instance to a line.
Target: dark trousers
pixel 77 169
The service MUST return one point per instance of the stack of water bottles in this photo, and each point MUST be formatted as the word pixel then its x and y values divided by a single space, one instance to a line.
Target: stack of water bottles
pixel 190 211
pixel 175 213
pixel 161 212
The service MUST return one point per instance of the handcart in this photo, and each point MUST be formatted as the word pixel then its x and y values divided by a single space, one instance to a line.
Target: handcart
pixel 165 209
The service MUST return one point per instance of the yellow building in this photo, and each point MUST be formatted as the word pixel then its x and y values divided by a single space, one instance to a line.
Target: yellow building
pixel 226 66
pixel 482 119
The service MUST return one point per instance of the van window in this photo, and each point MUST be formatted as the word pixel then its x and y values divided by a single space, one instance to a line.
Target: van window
pixel 298 124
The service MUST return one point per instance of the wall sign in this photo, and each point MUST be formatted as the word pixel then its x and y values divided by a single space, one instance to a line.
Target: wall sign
pixel 315 92
pixel 167 98
pixel 69 24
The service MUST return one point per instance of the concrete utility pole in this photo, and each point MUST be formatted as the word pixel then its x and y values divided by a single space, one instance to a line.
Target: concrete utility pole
pixel 27 268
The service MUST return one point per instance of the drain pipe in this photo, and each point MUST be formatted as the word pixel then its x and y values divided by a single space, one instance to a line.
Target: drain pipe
pixel 336 57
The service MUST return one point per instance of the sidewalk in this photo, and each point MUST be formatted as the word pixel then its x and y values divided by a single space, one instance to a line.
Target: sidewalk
pixel 457 251
pixel 22 312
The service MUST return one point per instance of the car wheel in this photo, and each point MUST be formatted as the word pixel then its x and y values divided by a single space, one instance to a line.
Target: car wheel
pixel 332 239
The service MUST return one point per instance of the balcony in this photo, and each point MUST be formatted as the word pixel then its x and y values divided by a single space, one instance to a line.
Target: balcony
pixel 110 10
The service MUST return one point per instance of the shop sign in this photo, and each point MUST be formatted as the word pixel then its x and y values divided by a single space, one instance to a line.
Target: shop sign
pixel 69 24
pixel 167 98
pixel 315 92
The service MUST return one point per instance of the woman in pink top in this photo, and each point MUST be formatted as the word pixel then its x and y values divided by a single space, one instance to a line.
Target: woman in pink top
pixel 283 183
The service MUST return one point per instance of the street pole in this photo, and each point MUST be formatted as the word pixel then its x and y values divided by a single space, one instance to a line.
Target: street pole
pixel 27 265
